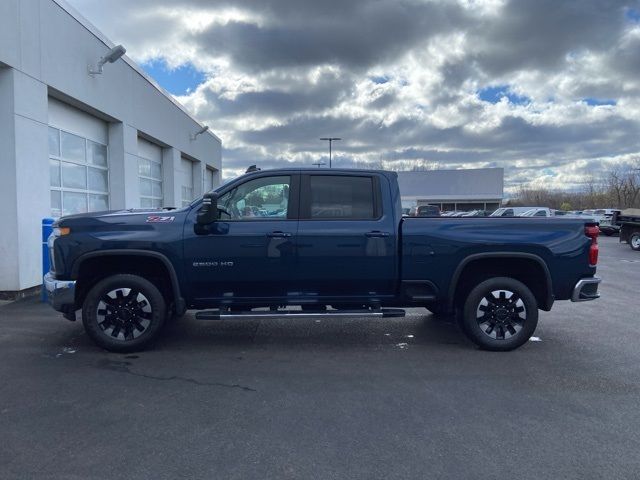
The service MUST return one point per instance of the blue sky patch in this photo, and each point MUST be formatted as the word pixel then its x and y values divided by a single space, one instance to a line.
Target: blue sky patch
pixel 493 94
pixel 380 79
pixel 177 81
pixel 595 102
pixel 632 14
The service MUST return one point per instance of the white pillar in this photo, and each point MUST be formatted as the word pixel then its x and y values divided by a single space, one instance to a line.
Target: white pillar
pixel 123 166
pixel 172 177
pixel 24 181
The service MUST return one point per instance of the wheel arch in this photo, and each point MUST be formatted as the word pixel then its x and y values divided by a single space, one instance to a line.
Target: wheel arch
pixel 504 264
pixel 114 254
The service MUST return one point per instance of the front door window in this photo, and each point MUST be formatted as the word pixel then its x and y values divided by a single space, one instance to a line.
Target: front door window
pixel 263 198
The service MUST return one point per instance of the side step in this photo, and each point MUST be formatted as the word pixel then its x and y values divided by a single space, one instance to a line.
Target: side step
pixel 226 315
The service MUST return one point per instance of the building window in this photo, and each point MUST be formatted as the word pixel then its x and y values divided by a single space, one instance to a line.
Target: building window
pixel 187 181
pixel 79 174
pixel 150 175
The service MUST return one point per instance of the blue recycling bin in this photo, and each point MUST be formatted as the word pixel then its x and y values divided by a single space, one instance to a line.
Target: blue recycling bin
pixel 47 228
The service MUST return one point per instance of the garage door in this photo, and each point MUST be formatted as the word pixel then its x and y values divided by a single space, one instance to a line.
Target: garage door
pixel 150 174
pixel 78 160
pixel 186 166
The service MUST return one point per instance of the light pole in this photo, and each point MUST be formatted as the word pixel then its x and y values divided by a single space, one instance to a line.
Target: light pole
pixel 331 140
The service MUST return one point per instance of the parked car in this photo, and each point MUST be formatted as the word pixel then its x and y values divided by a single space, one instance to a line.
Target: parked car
pixel 341 247
pixel 605 220
pixel 510 211
pixel 629 222
pixel 538 212
pixel 425 211
pixel 476 213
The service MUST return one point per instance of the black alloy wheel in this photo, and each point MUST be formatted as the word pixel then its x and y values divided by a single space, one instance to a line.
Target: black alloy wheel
pixel 124 313
pixel 500 314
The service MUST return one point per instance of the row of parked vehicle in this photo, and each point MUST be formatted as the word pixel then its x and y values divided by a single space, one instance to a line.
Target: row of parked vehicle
pixel 611 221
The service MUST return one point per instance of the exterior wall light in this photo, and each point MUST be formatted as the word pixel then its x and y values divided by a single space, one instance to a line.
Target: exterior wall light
pixel 112 55
pixel 199 132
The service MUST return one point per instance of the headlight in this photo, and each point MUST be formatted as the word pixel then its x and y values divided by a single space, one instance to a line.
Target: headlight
pixel 60 231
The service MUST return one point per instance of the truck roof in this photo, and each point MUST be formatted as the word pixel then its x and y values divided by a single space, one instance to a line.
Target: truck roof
pixel 327 170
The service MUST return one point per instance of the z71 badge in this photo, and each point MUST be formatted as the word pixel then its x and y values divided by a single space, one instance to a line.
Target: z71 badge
pixel 159 219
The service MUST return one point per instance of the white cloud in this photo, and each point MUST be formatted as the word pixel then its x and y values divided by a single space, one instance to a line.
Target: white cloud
pixel 399 81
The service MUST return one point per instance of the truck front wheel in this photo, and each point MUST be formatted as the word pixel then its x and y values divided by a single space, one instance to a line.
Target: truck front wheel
pixel 500 314
pixel 123 313
pixel 634 241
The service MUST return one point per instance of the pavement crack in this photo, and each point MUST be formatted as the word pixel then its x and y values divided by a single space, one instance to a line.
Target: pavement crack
pixel 124 367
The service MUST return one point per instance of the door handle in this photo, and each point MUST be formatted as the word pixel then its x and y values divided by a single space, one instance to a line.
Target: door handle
pixel 278 234
pixel 377 234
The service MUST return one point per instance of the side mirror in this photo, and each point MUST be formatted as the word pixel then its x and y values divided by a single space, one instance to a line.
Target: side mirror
pixel 208 212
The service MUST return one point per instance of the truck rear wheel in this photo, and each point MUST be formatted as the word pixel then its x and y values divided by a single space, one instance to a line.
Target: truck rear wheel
pixel 634 241
pixel 500 314
pixel 123 313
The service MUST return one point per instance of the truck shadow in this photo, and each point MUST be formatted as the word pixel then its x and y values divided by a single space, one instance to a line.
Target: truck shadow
pixel 399 332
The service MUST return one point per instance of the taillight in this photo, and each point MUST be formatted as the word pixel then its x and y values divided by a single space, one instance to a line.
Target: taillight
pixel 592 232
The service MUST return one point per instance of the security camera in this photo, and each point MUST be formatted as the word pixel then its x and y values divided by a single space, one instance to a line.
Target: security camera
pixel 112 55
pixel 199 132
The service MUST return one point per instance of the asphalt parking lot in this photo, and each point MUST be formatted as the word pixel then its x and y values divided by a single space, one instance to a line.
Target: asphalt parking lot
pixel 391 398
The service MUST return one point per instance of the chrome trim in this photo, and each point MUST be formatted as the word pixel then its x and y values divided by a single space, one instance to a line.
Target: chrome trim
pixel 575 296
pixel 60 293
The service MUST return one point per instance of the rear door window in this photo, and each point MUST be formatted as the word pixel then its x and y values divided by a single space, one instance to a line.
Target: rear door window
pixel 337 197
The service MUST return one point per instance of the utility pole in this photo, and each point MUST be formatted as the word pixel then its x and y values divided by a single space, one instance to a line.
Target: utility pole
pixel 330 140
pixel 319 163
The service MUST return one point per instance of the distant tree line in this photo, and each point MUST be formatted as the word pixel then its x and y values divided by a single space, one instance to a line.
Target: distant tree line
pixel 620 188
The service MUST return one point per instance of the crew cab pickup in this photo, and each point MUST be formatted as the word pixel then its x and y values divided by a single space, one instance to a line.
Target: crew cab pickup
pixel 314 242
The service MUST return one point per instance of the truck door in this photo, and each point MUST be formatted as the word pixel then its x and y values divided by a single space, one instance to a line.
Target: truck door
pixel 249 251
pixel 346 239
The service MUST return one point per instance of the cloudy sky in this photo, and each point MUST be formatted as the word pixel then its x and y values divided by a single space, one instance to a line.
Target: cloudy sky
pixel 547 89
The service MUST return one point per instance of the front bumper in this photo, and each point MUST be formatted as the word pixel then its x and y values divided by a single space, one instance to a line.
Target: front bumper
pixel 609 228
pixel 586 289
pixel 61 293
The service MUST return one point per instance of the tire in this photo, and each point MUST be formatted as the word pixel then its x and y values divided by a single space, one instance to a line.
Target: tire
pixel 634 241
pixel 129 306
pixel 493 320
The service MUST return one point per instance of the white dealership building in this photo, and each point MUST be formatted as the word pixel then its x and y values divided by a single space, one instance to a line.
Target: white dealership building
pixel 453 190
pixel 72 141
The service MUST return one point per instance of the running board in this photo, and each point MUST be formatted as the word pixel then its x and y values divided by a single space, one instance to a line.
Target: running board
pixel 226 315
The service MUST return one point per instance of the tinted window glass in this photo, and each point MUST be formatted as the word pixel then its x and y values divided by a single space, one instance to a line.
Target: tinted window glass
pixel 264 198
pixel 341 197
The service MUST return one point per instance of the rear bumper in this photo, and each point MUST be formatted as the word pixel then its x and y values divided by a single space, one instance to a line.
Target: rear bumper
pixel 586 289
pixel 61 293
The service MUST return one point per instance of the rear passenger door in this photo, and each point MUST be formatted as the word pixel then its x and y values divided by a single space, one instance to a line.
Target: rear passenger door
pixel 346 239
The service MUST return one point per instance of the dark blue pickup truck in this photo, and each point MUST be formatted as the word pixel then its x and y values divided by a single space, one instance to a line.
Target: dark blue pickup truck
pixel 314 242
